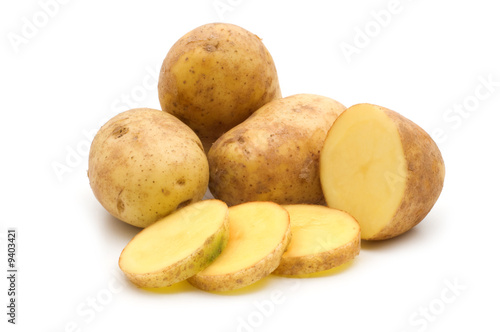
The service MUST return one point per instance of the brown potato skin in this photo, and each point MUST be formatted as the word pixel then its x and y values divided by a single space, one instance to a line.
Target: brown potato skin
pixel 214 77
pixel 425 179
pixel 274 154
pixel 144 164
pixel 243 278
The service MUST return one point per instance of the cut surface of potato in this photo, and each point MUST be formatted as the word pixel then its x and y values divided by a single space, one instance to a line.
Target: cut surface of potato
pixel 322 238
pixel 177 246
pixel 259 233
pixel 382 169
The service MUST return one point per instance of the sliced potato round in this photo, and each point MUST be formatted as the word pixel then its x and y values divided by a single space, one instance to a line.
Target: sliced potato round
pixel 322 238
pixel 177 246
pixel 259 233
pixel 381 168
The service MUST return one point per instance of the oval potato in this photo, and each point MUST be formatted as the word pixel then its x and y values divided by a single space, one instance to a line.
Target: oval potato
pixel 145 164
pixel 274 154
pixel 214 77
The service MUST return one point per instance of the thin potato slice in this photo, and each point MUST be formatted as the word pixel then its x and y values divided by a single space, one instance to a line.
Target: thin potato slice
pixel 259 233
pixel 322 238
pixel 382 169
pixel 177 246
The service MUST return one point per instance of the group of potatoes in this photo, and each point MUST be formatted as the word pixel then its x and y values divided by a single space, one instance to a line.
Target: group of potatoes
pixel 297 181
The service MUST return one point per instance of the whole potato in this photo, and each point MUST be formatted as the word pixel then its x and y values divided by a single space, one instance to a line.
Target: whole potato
pixel 274 154
pixel 214 77
pixel 145 164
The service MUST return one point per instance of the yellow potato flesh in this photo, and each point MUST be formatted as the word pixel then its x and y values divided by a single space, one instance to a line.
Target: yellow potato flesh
pixel 317 229
pixel 255 230
pixel 363 168
pixel 173 238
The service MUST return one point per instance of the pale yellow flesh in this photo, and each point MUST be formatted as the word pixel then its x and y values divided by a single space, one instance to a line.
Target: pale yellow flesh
pixel 255 230
pixel 317 229
pixel 173 238
pixel 363 170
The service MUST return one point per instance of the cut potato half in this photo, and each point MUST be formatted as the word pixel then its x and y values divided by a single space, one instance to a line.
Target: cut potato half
pixel 259 233
pixel 382 169
pixel 177 246
pixel 322 238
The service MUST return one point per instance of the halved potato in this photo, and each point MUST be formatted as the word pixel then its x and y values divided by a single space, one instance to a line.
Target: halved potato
pixel 177 246
pixel 322 238
pixel 259 233
pixel 382 169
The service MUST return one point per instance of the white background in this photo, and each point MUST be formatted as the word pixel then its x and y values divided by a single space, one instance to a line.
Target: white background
pixel 91 59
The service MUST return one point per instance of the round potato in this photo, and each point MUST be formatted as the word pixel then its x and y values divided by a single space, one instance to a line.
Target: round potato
pixel 214 77
pixel 274 154
pixel 145 164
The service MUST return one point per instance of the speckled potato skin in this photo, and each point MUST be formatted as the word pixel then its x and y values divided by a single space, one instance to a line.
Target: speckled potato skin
pixel 274 154
pixel 296 266
pixel 425 179
pixel 187 267
pixel 144 164
pixel 214 77
pixel 243 278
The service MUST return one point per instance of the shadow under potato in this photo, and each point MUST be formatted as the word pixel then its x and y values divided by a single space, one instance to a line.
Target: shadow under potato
pixel 412 235
pixel 180 287
pixel 184 287
pixel 117 228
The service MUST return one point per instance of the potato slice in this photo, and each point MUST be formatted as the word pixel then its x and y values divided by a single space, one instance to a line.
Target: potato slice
pixel 177 246
pixel 322 238
pixel 382 169
pixel 259 233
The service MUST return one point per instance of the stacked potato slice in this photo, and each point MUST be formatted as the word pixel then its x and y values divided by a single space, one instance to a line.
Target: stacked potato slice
pixel 221 249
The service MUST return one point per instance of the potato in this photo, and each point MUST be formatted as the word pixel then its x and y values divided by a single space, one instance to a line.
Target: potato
pixel 274 155
pixel 177 246
pixel 259 233
pixel 382 169
pixel 322 238
pixel 145 164
pixel 214 77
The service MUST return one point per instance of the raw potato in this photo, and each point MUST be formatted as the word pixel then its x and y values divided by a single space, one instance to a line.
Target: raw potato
pixel 259 233
pixel 145 164
pixel 178 246
pixel 382 169
pixel 322 238
pixel 274 155
pixel 214 77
